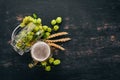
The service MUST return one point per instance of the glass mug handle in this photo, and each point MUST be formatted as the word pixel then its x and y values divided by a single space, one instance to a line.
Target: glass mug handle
pixel 13 39
pixel 13 33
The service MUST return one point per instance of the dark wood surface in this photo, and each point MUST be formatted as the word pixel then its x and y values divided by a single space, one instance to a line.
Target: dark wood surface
pixel 92 54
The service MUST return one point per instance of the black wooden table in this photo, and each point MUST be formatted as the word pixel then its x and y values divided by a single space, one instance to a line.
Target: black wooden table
pixel 92 54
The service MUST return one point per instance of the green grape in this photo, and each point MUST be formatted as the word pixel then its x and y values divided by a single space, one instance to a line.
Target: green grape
pixel 25 20
pixel 30 33
pixel 36 29
pixel 28 17
pixel 49 29
pixel 48 68
pixel 28 44
pixel 44 63
pixel 29 37
pixel 31 19
pixel 44 36
pixel 56 62
pixel 22 25
pixel 24 39
pixel 47 34
pixel 35 21
pixel 34 15
pixel 38 20
pixel 51 60
pixel 53 22
pixel 58 20
pixel 40 27
pixel 56 27
pixel 45 27
pixel 18 45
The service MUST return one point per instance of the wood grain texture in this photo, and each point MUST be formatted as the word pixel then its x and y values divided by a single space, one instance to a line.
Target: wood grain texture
pixel 92 54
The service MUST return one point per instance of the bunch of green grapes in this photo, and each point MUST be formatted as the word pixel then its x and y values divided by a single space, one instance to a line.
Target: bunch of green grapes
pixel 48 64
pixel 29 19
pixel 31 32
pixel 34 30
pixel 55 23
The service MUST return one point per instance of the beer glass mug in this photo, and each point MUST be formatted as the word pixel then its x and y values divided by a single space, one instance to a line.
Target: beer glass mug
pixel 25 39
